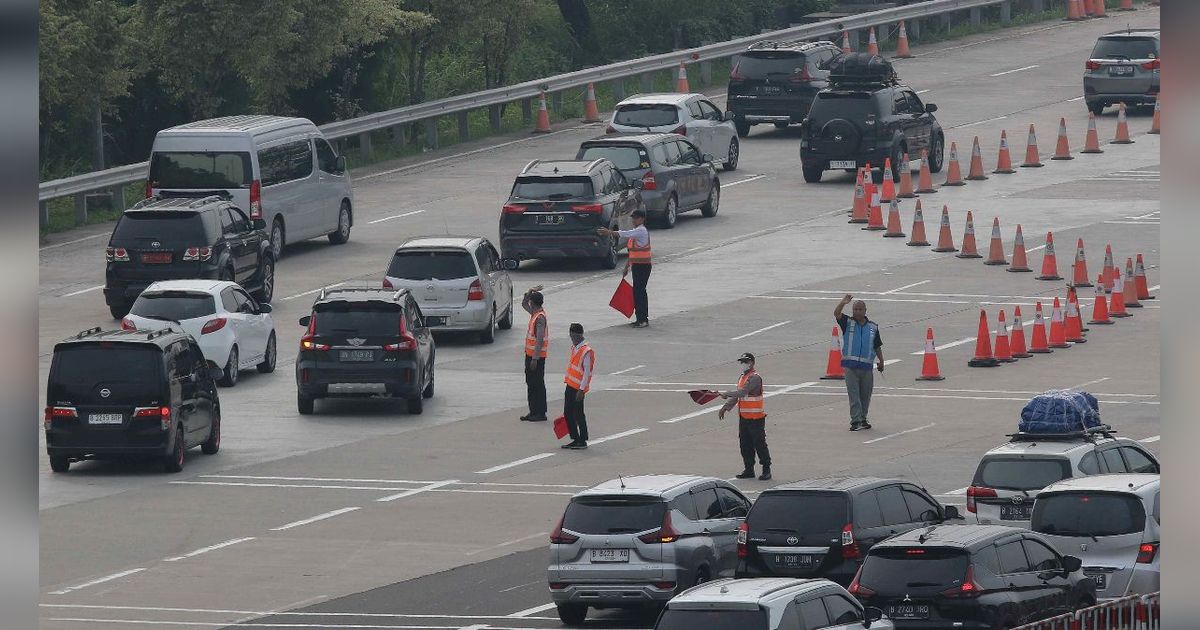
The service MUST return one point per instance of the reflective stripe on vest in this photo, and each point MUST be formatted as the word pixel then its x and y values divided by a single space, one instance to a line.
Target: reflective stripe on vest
pixel 531 349
pixel 858 344
pixel 575 367
pixel 639 255
pixel 751 407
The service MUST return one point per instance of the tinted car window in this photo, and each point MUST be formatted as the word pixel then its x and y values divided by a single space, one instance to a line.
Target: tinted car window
pixel 892 505
pixel 1021 473
pixel 732 505
pixel 1012 558
pixel 919 507
pixel 1088 514
pixel 167 226
pixel 1112 459
pixel 440 265
pixel 848 105
pixel 1089 465
pixel 802 512
pixel 709 111
pixel 900 104
pixel 285 162
pixel 841 610
pixel 812 612
pixel 1138 461
pixel 227 300
pixel 552 187
pixel 244 303
pixel 1041 558
pixel 201 169
pixel 176 305
pixel 767 64
pixel 688 154
pixel 920 571
pixel 614 515
pixel 694 110
pixel 326 157
pixel 687 505
pixel 646 115
pixel 914 103
pixel 344 318
pixel 129 370
pixel 660 154
pixel 708 505
pixel 866 510
pixel 625 157
pixel 672 150
pixel 673 619
pixel 1126 48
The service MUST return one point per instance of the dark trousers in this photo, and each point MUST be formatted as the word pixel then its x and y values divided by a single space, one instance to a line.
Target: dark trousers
pixel 573 410
pixel 641 301
pixel 535 386
pixel 752 436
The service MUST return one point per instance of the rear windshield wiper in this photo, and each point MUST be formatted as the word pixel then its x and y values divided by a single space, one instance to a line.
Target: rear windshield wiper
pixel 559 196
pixel 781 529
pixel 622 530
pixel 924 584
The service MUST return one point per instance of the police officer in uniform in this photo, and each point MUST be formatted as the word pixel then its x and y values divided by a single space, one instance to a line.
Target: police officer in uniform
pixel 752 419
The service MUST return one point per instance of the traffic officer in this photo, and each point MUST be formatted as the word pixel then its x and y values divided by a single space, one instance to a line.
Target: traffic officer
pixel 752 419
pixel 639 261
pixel 537 345
pixel 861 345
pixel 578 380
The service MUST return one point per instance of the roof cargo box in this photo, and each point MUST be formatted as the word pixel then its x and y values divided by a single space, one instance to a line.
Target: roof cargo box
pixel 861 69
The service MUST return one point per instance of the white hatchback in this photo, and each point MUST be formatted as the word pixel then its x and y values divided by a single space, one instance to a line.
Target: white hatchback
pixel 233 330
pixel 690 115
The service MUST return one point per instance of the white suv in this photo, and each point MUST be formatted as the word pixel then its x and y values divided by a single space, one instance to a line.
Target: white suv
pixel 769 604
pixel 1010 476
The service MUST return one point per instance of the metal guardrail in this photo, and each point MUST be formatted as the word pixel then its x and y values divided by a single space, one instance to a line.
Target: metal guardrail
pixel 1135 612
pixel 79 185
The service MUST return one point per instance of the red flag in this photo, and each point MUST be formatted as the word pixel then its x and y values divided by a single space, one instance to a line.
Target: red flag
pixel 704 396
pixel 560 427
pixel 622 300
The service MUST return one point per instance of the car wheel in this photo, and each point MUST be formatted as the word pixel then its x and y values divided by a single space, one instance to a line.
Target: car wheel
pixel 304 404
pixel 428 391
pixel 60 463
pixel 743 127
pixel 714 201
pixel 937 157
pixel 231 369
pixel 572 614
pixel 119 310
pixel 488 334
pixel 735 153
pixel 701 576
pixel 506 322
pixel 1096 108
pixel 173 462
pixel 897 158
pixel 670 213
pixel 416 405
pixel 812 175
pixel 342 234
pixel 268 363
pixel 609 260
pixel 267 289
pixel 213 443
pixel 277 239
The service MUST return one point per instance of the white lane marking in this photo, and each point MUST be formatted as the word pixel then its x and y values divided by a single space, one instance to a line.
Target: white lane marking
pixel 922 91
pixel 900 388
pixel 839 294
pixel 478 626
pixel 907 286
pixel 248 624
pixel 395 216
pixel 282 613
pixel 1000 74
pixel 78 240
pixel 948 345
pixel 413 491
pixel 952 493
pixel 629 369
pixel 299 295
pixel 1152 438
pixel 1077 98
pixel 531 458
pixel 743 181
pixel 202 550
pixel 750 334
pixel 617 436
pixel 1082 385
pixel 687 416
pixel 979 122
pixel 891 361
pixel 107 578
pixel 892 435
pixel 1028 302
pixel 314 519
pixel 396 481
pixel 532 611
pixel 1154 288
pixel 1034 249
pixel 370 488
pixel 82 291
pixel 1147 223
pixel 511 542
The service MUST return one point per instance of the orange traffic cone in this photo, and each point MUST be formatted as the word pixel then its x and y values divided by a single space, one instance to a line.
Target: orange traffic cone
pixel 996 247
pixel 975 172
pixel 1049 260
pixel 1126 5
pixel 888 187
pixel 846 42
pixel 590 112
pixel 833 368
pixel 1004 161
pixel 1100 310
pixel 1073 297
pixel 968 242
pixel 1032 159
pixel 1130 285
pixel 858 213
pixel 1098 9
pixel 1063 150
pixel 925 178
pixel 1122 127
pixel 902 51
pixel 1091 143
pixel 983 345
pixel 953 171
pixel 1073 10
pixel 872 43
pixel 1155 122
pixel 945 239
pixel 1037 339
pixel 906 183
pixel 1018 262
pixel 875 220
pixel 918 229
pixel 929 365
pixel 1139 280
pixel 1073 322
pixel 1058 329
pixel 1017 336
pixel 1116 303
pixel 893 222
pixel 1003 350
pixel 1108 272
pixel 1080 275
pixel 681 84
pixel 543 116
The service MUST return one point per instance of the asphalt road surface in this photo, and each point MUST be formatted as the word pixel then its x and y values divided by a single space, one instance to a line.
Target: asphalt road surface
pixel 365 517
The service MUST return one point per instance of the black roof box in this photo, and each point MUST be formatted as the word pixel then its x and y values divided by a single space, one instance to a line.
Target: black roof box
pixel 861 69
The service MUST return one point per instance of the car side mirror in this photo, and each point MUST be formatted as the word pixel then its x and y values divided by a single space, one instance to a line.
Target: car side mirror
pixel 216 373
pixel 728 116
pixel 259 224
pixel 930 108
pixel 707 157
pixel 340 164
pixel 305 320
pixel 873 614
pixel 639 184
pixel 264 308
pixel 951 513
pixel 1071 564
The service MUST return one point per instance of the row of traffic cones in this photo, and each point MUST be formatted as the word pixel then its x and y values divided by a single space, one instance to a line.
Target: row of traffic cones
pixel 1084 9
pixel 902 49
pixel 591 111
pixel 835 371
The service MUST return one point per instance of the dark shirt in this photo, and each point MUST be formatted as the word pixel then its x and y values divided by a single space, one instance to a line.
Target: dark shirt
pixel 845 319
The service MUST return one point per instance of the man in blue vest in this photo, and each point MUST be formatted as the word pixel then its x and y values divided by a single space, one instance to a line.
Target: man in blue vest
pixel 861 346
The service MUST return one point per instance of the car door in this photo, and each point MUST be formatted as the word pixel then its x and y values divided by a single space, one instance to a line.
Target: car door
pixel 893 509
pixel 194 414
pixel 721 132
pixel 903 115
pixel 1016 578
pixel 922 136
pixel 501 281
pixel 696 186
pixel 677 173
pixel 724 530
pixel 869 529
pixel 256 328
pixel 487 277
pixel 285 169
pixel 1139 461
pixel 844 614
pixel 699 130
pixel 1054 589
pixel 416 323
pixel 330 184
pixel 249 241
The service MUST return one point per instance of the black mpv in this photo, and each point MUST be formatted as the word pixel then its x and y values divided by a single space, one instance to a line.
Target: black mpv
pixel 776 82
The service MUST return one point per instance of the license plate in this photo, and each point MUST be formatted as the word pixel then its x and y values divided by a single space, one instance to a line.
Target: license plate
pixel 1016 512
pixel 843 164
pixel 794 561
pixel 610 555
pixel 354 356
pixel 1101 580
pixel 768 89
pixel 435 321
pixel 908 611
pixel 105 418
pixel 1118 71
pixel 156 257
pixel 549 219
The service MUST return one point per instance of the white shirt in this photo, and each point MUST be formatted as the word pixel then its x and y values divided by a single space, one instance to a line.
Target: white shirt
pixel 639 234
pixel 587 367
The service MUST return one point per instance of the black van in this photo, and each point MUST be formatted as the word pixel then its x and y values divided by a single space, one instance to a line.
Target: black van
pixel 128 392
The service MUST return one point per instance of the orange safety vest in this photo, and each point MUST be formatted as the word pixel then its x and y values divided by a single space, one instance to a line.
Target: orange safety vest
pixel 575 367
pixel 639 255
pixel 531 349
pixel 751 407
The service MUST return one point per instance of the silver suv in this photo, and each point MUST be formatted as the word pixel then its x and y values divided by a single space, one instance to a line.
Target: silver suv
pixel 637 541
pixel 1112 523
pixel 769 604
pixel 1010 476
pixel 1124 67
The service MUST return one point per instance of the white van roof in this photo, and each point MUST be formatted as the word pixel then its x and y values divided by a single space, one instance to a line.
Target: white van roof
pixel 253 124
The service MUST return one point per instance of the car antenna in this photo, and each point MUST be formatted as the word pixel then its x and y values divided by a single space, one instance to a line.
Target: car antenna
pixel 918 478
pixel 621 478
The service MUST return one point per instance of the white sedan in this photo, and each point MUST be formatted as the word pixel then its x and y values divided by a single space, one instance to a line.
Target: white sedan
pixel 233 330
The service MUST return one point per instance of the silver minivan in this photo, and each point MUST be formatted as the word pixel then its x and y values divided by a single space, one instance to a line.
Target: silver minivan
pixel 635 542
pixel 278 169
pixel 1112 523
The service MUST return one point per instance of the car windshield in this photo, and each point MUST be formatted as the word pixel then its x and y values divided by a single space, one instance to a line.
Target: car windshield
pixel 359 318
pixel 431 265
pixel 173 305
pixel 1022 473
pixel 625 157
pixel 853 106
pixel 128 369
pixel 800 512
pixel 646 115
pixel 552 188
pixel 1125 48
pixel 767 64
pixel 201 169
pixel 166 226
pixel 921 570
pixel 1088 514
pixel 614 515
pixel 676 619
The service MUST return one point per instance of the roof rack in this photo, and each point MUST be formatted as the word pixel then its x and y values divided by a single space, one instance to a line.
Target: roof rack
pixel 1089 434
pixel 155 334
pixel 197 200
pixel 326 291
pixel 88 333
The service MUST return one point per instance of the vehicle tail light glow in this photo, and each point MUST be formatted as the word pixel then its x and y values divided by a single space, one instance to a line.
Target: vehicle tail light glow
pixel 664 534
pixel 387 284
pixel 559 537
pixel 1153 64
pixel 666 586
pixel 743 534
pixel 126 324
pixel 968 588
pixel 151 412
pixel 197 253
pixel 681 130
pixel 856 587
pixel 475 291
pixel 116 254
pixel 513 208
pixel 256 199
pixel 592 208
pixel 978 492
pixel 213 325
pixel 1092 64
pixel 58 412
pixel 407 342
pixel 648 181
pixel 307 342
pixel 1146 553
pixel 850 550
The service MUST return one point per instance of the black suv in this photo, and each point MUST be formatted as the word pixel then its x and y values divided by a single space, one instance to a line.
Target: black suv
pixel 776 82
pixel 120 392
pixel 823 527
pixel 174 238
pixel 971 576
pixel 865 116
pixel 556 205
pixel 364 342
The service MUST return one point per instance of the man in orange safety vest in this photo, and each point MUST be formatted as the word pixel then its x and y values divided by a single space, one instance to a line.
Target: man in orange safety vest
pixel 752 419
pixel 578 381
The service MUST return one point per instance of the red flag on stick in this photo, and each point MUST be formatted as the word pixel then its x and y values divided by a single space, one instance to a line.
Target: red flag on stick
pixel 560 427
pixel 622 300
pixel 704 396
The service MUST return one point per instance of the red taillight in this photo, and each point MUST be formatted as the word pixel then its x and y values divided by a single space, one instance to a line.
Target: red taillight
pixel 213 325
pixel 306 342
pixel 127 325
pixel 512 208
pixel 407 342
pixel 593 208
pixel 57 412
pixel 256 199
pixel 978 492
pixel 681 130
pixel 1146 553
pixel 559 537
pixel 558 586
pixel 149 189
pixel 856 587
pixel 1154 64
pixel 743 534
pixel 610 129
pixel 151 412
pixel 968 588
pixel 850 550
pixel 197 253
pixel 664 534
pixel 1092 64
pixel 116 254
pixel 648 181
pixel 387 284
pixel 801 77
pixel 666 586
pixel 475 291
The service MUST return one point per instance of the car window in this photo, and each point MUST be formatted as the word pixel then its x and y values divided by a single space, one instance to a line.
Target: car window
pixel 412 316
pixel 767 64
pixel 840 609
pixel 812 613
pixel 688 153
pixel 672 149
pixel 914 104
pixel 326 157
pixel 285 163
pixel 900 104
pixel 686 505
pixel 892 506
pixel 1012 558
pixel 1125 48
pixel 1112 459
pixel 185 360
pixel 789 619
pixel 481 257
pixel 614 514
pixel 659 151
pixel 611 185
pixel 414 264
pixel 1088 514
pixel 694 109
pixel 849 105
pixel 732 505
pixel 552 188
pixel 1089 465
pixel 624 156
pixel 176 305
pixel 708 505
pixel 817 514
pixel 201 169
pixel 227 300
pixel 1021 473
pixel 827 55
pixel 1041 557
pixel 1138 461
pixel 245 303
pixel 919 507
pixel 227 226
pixel 167 226
pixel 684 619
pixel 866 510
pixel 710 111
pixel 646 115
pixel 375 319
pixel 921 571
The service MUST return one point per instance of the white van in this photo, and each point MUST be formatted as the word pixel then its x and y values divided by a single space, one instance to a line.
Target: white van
pixel 278 169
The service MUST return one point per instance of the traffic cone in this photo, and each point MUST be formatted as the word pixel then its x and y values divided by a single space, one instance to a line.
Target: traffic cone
pixel 906 183
pixel 953 171
pixel 902 51
pixel 929 365
pixel 1098 9
pixel 893 222
pixel 1116 302
pixel 1080 274
pixel 543 116
pixel 1063 150
pixel 591 113
pixel 975 172
pixel 1073 322
pixel 1019 263
pixel 872 43
pixel 1130 293
pixel 1155 122
pixel 1003 350
pixel 846 42
pixel 1091 143
pixel 1126 5
pixel 996 247
pixel 925 178
pixel 1037 339
pixel 1004 161
pixel 1139 280
pixel 1100 310
pixel 1122 127
pixel 1073 297
pixel 1032 159
pixel 968 247
pixel 1058 329
pixel 983 345
pixel 681 84
pixel 858 212
pixel 875 220
pixel 833 367
pixel 1049 261
pixel 1017 336
pixel 888 187
pixel 945 239
pixel 1073 12
pixel 918 229
pixel 1108 272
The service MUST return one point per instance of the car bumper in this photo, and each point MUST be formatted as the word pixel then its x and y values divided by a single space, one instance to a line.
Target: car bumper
pixel 580 245
pixel 102 443
pixel 862 158
pixel 762 110
pixel 474 316
pixel 612 594
pixel 332 380
pixel 842 573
